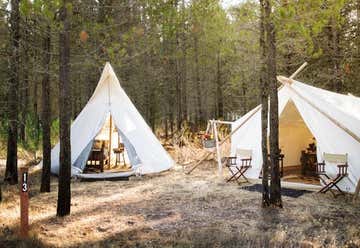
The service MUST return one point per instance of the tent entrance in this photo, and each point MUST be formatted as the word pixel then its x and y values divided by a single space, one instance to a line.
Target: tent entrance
pixel 298 145
pixel 108 152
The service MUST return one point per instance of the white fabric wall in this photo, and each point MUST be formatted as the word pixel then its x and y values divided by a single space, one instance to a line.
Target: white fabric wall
pixel 249 137
pixel 126 117
pixel 109 97
pixel 344 103
pixel 330 138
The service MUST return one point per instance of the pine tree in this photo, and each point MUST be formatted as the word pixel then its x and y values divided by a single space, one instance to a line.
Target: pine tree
pixel 64 192
pixel 11 173
pixel 46 113
pixel 264 109
pixel 275 185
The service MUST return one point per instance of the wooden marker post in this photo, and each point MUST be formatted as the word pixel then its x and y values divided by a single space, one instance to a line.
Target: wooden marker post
pixel 24 203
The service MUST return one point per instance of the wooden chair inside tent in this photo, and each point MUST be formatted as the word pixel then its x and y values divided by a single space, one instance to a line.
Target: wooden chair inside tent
pixel 98 155
pixel 341 161
pixel 239 164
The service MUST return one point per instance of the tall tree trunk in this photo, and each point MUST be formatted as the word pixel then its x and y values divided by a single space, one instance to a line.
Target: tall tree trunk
pixel 199 110
pixel 264 110
pixel 178 79
pixel 64 193
pixel 275 186
pixel 24 95
pixel 166 128
pixel 219 91
pixel 11 173
pixel 46 115
pixel 336 56
pixel 244 94
pixel 183 63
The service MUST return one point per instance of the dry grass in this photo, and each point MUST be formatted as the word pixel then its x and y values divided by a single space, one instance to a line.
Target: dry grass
pixel 174 210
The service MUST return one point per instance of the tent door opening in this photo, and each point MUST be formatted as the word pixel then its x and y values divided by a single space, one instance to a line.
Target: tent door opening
pixel 298 146
pixel 108 152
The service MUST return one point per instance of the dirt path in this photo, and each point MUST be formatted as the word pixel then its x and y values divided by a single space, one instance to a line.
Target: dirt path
pixel 177 210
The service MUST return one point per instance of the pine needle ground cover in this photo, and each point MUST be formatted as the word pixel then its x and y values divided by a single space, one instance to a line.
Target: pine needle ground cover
pixel 175 210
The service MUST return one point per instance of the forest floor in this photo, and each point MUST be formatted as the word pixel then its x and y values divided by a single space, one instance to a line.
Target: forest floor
pixel 177 210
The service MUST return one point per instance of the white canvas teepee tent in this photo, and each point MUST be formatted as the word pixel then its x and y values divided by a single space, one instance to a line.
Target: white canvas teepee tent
pixel 143 148
pixel 307 113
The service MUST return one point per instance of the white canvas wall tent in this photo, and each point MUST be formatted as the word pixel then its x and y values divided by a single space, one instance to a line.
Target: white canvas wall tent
pixel 144 151
pixel 307 113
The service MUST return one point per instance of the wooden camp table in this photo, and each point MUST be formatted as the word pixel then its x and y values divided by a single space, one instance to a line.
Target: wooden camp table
pixel 118 152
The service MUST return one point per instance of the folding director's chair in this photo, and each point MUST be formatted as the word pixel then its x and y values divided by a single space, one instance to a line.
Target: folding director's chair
pixel 239 164
pixel 341 161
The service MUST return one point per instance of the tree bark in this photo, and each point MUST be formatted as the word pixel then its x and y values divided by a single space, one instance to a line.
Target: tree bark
pixel 264 111
pixel 183 63
pixel 275 186
pixel 64 192
pixel 336 57
pixel 219 90
pixel 178 81
pixel 46 115
pixel 11 173
pixel 199 110
pixel 24 95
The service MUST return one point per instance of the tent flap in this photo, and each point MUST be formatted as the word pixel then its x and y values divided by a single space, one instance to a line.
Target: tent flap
pixel 330 137
pixel 141 144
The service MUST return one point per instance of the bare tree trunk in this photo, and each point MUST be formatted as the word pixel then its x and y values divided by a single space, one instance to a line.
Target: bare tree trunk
pixel 336 57
pixel 264 111
pixel 46 115
pixel 184 67
pixel 64 193
pixel 244 100
pixel 11 173
pixel 166 129
pixel 178 79
pixel 199 110
pixel 219 90
pixel 24 93
pixel 275 186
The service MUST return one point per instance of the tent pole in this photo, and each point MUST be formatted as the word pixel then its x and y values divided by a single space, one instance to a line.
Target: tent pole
pixel 218 152
pixel 110 139
pixel 223 122
pixel 298 70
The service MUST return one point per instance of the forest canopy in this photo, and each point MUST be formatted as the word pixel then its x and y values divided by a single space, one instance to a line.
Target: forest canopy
pixel 177 60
